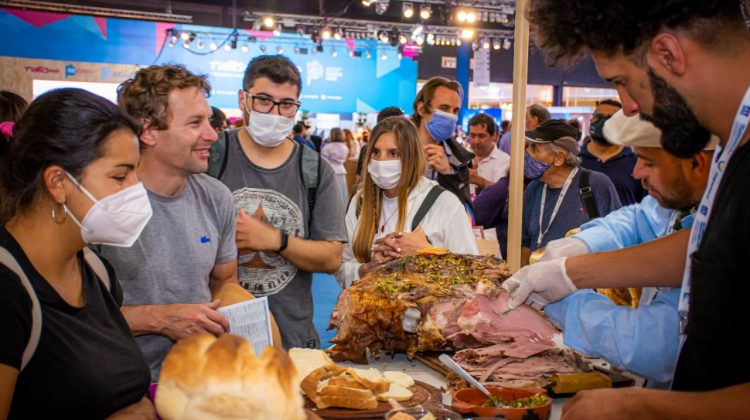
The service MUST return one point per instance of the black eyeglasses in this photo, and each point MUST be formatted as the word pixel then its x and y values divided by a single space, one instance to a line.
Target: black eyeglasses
pixel 265 105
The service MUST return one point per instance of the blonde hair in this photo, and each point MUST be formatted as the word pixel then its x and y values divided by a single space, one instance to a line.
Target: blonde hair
pixel 369 196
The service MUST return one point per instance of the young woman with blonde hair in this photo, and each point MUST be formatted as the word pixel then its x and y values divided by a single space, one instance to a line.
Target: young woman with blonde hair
pixel 396 210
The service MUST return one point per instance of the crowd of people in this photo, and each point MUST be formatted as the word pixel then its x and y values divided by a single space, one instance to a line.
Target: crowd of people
pixel 121 222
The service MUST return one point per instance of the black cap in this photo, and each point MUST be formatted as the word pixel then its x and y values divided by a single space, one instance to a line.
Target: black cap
pixel 557 132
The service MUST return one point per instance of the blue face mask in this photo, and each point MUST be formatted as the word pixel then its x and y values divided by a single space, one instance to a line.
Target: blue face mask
pixel 532 168
pixel 441 126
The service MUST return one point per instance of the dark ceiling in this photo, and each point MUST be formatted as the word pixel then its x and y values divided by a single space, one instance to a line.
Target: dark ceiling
pixel 223 12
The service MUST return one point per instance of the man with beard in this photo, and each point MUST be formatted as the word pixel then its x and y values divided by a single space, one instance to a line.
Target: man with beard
pixel 591 323
pixel 613 160
pixel 683 64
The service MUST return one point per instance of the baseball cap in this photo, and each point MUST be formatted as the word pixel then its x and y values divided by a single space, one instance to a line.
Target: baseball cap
pixel 637 132
pixel 556 132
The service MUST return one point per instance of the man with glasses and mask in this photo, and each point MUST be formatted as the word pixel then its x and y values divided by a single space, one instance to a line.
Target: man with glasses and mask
pixel 290 220
pixel 615 161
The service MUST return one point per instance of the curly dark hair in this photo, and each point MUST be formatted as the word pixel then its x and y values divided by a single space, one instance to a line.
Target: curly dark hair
pixel 567 30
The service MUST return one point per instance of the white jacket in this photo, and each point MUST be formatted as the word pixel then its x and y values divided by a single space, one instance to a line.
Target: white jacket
pixel 446 225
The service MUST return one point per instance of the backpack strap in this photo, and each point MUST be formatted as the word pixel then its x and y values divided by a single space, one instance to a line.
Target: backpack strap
pixel 217 160
pixel 97 265
pixel 309 169
pixel 426 205
pixel 587 194
pixel 8 260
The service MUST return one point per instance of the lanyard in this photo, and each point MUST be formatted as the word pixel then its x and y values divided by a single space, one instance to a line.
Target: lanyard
pixel 721 159
pixel 560 199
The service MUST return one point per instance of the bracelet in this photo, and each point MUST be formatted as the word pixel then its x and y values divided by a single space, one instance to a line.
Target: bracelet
pixel 284 241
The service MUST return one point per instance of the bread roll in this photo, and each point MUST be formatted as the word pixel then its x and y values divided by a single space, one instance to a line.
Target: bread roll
pixel 208 378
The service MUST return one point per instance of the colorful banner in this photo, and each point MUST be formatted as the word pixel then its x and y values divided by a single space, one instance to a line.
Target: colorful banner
pixel 346 76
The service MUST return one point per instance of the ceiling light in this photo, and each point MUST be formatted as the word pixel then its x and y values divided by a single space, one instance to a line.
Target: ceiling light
pixel 420 40
pixel 367 3
pixel 416 31
pixel 430 39
pixel 186 44
pixel 496 44
pixel 425 11
pixel 408 10
pixel 244 48
pixel 227 47
pixel 277 30
pixel 486 44
pixel 507 44
pixel 467 33
pixel 268 22
pixel 461 16
pixel 213 46
pixel 280 50
pixel 471 16
pixel 184 36
pixel 382 6
pixel 402 39
pixel 337 34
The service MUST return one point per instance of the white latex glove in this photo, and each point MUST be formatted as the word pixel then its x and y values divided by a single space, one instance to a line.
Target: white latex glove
pixel 565 247
pixel 539 284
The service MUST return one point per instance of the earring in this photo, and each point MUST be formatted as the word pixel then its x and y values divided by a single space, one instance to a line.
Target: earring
pixel 64 215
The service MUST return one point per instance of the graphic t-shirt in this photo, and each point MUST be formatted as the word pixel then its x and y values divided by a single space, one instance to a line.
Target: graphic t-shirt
pixel 278 197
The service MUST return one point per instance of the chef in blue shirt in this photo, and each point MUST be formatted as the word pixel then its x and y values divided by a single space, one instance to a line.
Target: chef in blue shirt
pixel 643 340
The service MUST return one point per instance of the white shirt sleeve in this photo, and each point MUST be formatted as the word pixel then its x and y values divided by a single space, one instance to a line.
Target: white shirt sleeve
pixel 448 226
pixel 349 270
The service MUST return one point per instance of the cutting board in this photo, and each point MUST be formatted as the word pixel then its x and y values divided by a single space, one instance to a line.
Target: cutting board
pixel 572 382
pixel 424 394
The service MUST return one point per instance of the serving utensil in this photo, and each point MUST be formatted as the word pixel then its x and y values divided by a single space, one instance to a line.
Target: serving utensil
pixel 458 370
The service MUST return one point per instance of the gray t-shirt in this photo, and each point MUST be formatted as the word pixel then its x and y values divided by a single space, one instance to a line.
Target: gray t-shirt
pixel 173 258
pixel 278 197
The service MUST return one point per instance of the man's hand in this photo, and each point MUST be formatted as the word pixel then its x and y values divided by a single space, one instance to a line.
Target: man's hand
pixel 605 404
pixel 254 235
pixel 185 319
pixel 436 158
pixel 565 247
pixel 539 284
pixel 142 410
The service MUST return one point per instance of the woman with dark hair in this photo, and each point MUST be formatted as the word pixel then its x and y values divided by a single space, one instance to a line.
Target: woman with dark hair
pixel 67 180
pixel 336 153
pixel 380 221
pixel 11 108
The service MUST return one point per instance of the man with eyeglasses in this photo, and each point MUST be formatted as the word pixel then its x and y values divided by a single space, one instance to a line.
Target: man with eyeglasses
pixel 287 227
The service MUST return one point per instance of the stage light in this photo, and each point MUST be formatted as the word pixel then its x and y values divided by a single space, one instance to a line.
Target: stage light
pixel 430 39
pixel 325 33
pixel 486 44
pixel 213 46
pixel 420 40
pixel 461 16
pixel 184 36
pixel 408 10
pixel 337 34
pixel 367 3
pixel 496 44
pixel 425 11
pixel 402 39
pixel 467 33
pixel 279 50
pixel 244 48
pixel 507 44
pixel 416 31
pixel 268 22
pixel 334 53
pixel 277 30
pixel 471 16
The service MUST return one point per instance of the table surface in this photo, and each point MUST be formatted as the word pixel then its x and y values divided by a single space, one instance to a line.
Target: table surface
pixel 421 372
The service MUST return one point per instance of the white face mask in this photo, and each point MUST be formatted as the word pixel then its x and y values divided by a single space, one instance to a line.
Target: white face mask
pixel 385 173
pixel 117 219
pixel 269 130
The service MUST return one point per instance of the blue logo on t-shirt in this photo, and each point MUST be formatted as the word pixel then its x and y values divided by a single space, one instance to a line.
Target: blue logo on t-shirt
pixel 745 111
pixel 205 239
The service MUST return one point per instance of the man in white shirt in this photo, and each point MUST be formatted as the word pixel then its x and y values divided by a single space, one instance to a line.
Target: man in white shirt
pixel 490 163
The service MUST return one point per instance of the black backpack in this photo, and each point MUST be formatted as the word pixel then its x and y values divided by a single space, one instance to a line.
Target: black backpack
pixel 426 205
pixel 309 167
pixel 587 194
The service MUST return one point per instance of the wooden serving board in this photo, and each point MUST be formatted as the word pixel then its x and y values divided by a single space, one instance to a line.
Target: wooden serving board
pixel 424 394
pixel 431 360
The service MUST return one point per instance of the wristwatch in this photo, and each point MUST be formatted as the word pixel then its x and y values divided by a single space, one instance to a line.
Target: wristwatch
pixel 284 241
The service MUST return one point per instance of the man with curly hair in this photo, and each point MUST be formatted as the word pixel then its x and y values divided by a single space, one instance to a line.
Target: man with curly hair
pixel 681 64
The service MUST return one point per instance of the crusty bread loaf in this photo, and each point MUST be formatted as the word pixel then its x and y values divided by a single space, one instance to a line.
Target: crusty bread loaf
pixel 307 360
pixel 397 392
pixel 345 380
pixel 371 378
pixel 347 402
pixel 313 380
pixel 345 391
pixel 208 378
pixel 398 377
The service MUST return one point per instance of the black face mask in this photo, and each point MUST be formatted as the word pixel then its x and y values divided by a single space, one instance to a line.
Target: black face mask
pixel 596 129
pixel 681 133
